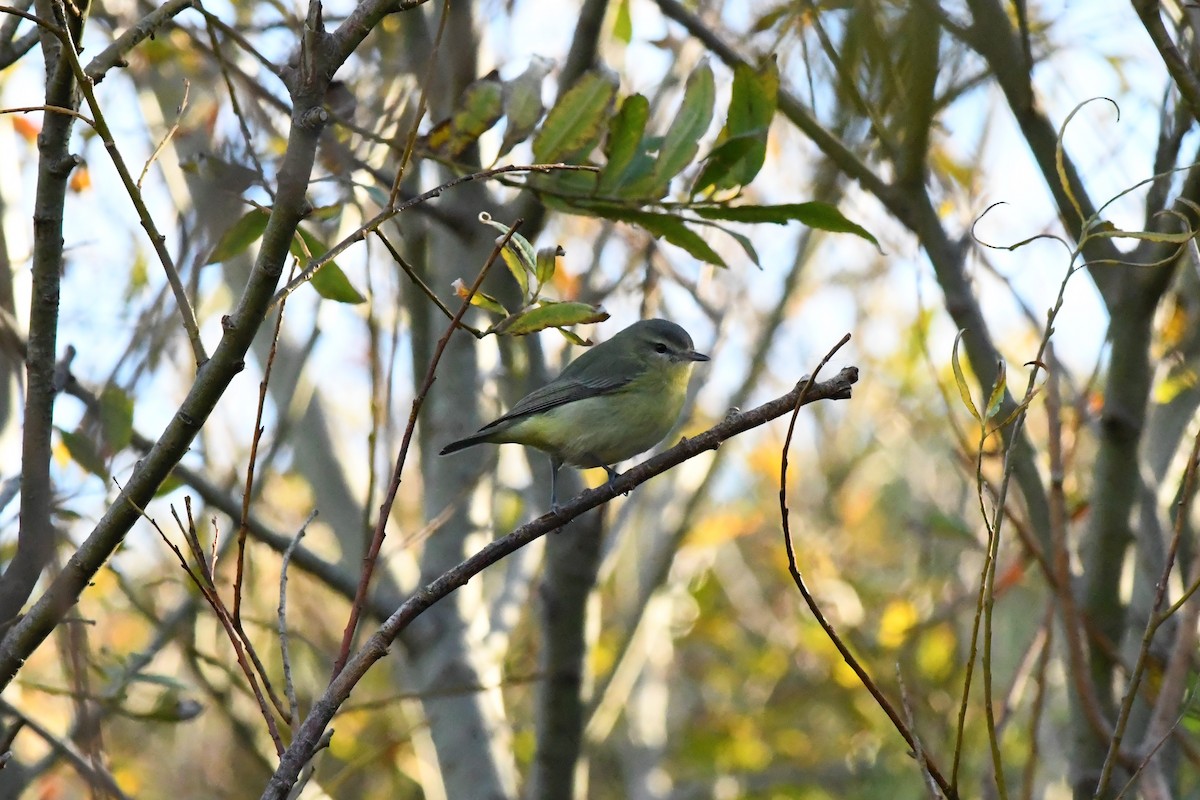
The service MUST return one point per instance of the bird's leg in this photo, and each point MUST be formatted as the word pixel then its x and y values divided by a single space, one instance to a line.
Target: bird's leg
pixel 613 475
pixel 555 464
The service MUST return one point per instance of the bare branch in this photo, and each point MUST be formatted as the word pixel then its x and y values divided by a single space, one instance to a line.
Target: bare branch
pixel 376 647
pixel 385 509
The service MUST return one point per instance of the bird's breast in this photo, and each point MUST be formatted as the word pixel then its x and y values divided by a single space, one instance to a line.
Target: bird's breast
pixel 619 425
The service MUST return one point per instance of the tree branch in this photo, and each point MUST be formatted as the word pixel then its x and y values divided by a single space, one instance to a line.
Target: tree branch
pixel 211 382
pixel 35 537
pixel 376 647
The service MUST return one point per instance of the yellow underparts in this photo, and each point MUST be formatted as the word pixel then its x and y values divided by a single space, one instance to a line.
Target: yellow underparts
pixel 601 431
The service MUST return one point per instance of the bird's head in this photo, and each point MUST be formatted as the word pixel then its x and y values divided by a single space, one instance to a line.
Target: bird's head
pixel 659 341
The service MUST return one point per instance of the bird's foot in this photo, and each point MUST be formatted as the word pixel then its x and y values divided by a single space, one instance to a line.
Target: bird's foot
pixel 613 475
pixel 556 511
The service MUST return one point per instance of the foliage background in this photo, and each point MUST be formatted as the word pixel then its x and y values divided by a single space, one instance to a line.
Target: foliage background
pixel 657 648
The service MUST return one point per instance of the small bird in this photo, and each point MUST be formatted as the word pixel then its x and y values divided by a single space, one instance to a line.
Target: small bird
pixel 618 399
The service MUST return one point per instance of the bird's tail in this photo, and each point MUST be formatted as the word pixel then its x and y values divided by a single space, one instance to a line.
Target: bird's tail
pixel 461 444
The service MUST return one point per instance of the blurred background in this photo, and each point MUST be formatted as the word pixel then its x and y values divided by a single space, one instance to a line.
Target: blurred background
pixel 656 648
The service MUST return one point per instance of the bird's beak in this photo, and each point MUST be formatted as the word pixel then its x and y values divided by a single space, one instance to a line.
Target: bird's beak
pixel 692 355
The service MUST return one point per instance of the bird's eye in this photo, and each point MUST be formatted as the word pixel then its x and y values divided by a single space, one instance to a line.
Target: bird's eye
pixel 660 348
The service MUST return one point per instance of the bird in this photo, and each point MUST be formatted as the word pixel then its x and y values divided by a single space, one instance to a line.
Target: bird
pixel 618 399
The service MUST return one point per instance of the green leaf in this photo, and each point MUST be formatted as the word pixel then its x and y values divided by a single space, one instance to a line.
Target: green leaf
pixel 623 24
pixel 243 233
pixel 518 264
pixel 821 216
pixel 551 315
pixel 479 299
pixel 83 451
pixel 752 104
pixel 329 281
pixel 518 254
pixel 479 108
pixel 624 142
pixel 753 98
pixel 326 213
pixel 964 390
pixel 731 154
pixel 523 105
pixel 997 396
pixel 160 679
pixel 682 141
pixel 169 484
pixel 332 284
pixel 574 126
pixel 1020 408
pixel 547 262
pixel 665 226
pixel 574 338
pixel 116 417
pixel 569 183
pixel 771 18
pixel 745 242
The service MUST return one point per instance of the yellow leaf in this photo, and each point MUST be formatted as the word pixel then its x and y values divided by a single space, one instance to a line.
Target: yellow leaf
pixel 936 652
pixel 1177 381
pixel 844 676
pixel 81 179
pixel 722 527
pixel 898 618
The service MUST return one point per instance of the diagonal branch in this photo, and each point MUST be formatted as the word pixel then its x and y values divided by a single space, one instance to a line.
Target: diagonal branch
pixel 157 240
pixel 305 743
pixel 114 54
pixel 915 209
pixel 35 538
pixel 213 378
pixel 802 394
pixel 1150 14
pixel 385 509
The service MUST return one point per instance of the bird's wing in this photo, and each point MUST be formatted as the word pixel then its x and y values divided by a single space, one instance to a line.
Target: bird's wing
pixel 556 393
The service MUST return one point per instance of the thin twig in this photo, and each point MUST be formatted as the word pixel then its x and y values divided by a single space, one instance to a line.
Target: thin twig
pixel 93 774
pixel 987 600
pixel 234 105
pixel 114 54
pixel 411 272
pixel 918 749
pixel 157 240
pixel 214 602
pixel 170 134
pixel 794 570
pixel 248 490
pixel 70 112
pixel 289 688
pixel 376 647
pixel 1152 751
pixel 1150 13
pixel 411 141
pixel 238 38
pixel 1074 624
pixel 385 508
pixel 1039 698
pixel 391 211
pixel 1152 624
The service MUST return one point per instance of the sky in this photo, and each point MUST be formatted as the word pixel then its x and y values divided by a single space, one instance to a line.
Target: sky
pixel 104 237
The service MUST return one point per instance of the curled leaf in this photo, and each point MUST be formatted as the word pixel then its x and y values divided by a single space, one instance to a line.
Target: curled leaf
pixel 964 390
pixel 551 315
